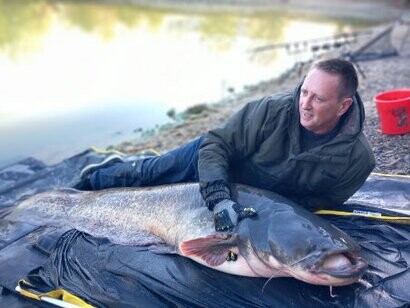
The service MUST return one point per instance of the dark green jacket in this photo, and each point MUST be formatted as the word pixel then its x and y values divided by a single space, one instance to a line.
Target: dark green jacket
pixel 260 146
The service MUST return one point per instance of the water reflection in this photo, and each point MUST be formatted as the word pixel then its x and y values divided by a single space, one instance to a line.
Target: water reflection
pixel 72 61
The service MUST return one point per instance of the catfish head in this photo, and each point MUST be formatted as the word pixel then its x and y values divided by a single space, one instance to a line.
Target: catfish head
pixel 290 241
pixel 283 240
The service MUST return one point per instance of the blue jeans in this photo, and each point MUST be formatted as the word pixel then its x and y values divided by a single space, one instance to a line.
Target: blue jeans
pixel 176 166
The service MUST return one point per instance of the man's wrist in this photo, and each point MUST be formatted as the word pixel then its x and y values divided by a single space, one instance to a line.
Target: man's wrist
pixel 214 192
pixel 216 198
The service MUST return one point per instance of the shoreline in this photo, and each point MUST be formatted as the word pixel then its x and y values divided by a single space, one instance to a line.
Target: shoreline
pixel 376 10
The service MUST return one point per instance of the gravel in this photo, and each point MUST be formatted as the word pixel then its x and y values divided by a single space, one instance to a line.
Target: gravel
pixel 392 152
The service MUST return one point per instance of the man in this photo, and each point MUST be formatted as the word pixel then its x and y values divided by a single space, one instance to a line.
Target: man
pixel 307 145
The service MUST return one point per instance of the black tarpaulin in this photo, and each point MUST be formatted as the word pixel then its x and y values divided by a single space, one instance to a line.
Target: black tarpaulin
pixel 111 275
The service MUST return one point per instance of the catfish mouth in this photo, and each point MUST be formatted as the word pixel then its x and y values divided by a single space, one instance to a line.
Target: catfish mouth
pixel 341 265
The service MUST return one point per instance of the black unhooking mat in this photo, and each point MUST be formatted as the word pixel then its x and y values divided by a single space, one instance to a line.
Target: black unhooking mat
pixel 108 275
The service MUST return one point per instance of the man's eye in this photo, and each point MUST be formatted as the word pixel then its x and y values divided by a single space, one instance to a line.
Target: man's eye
pixel 304 92
pixel 318 99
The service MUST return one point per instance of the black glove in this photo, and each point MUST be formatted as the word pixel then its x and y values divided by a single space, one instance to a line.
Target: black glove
pixel 228 213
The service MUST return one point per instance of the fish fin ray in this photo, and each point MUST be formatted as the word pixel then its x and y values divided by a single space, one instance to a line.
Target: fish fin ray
pixel 213 249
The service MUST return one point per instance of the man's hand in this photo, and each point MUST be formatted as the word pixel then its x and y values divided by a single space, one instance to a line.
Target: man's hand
pixel 228 213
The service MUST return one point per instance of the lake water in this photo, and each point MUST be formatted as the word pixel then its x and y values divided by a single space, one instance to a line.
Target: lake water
pixel 77 75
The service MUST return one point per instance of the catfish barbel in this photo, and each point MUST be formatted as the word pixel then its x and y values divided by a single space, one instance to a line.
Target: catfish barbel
pixel 283 240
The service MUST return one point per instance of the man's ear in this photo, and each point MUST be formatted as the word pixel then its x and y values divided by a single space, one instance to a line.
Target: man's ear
pixel 344 107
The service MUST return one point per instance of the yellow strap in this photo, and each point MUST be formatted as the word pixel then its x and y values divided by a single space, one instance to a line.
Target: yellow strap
pixel 102 151
pixel 392 175
pixel 58 294
pixel 153 151
pixel 374 215
pixel 24 292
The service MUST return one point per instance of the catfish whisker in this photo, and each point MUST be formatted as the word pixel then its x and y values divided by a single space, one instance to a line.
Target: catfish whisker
pixel 270 278
pixel 279 270
pixel 331 292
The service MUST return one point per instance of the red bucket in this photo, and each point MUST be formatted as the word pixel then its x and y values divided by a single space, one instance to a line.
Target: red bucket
pixel 393 108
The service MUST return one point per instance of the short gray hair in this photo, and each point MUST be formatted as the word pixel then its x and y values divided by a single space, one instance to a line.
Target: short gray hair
pixel 346 71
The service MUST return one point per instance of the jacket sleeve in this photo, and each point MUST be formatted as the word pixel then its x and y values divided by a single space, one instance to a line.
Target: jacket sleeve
pixel 240 137
pixel 361 165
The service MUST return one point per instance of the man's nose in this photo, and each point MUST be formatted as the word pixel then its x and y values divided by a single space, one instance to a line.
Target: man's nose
pixel 306 102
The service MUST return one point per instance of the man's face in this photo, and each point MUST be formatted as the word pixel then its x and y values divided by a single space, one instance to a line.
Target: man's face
pixel 320 106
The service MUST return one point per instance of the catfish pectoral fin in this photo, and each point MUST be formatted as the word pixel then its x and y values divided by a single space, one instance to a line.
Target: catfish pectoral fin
pixel 213 249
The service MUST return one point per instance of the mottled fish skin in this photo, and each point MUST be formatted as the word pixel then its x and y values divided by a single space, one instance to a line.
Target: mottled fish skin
pixel 130 216
pixel 282 240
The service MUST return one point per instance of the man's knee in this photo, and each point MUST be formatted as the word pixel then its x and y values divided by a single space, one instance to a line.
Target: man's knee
pixel 122 174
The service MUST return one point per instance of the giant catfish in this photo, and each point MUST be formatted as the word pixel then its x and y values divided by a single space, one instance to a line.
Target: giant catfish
pixel 282 240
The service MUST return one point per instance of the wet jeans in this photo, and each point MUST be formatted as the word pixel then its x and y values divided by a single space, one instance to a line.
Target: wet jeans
pixel 176 166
